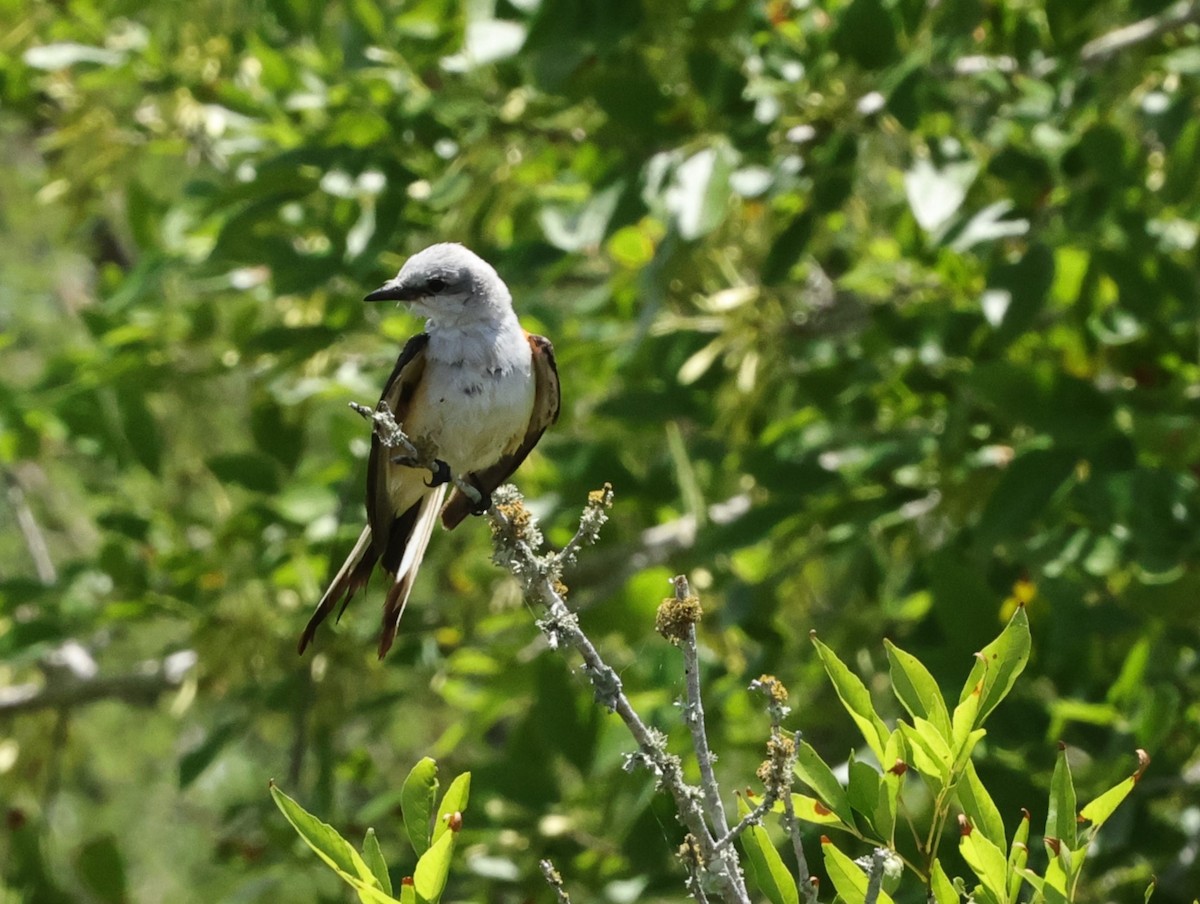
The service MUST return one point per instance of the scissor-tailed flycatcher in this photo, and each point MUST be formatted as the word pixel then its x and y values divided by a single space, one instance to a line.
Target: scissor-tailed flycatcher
pixel 474 386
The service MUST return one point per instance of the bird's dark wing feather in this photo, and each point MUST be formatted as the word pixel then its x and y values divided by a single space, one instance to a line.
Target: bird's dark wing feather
pixel 547 402
pixel 397 392
pixel 382 523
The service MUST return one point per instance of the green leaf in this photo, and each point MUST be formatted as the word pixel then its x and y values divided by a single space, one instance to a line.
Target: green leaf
pixel 916 689
pixel 1060 815
pixel 977 803
pixel 453 801
pixel 101 868
pixel 764 865
pixel 699 194
pixel 987 862
pixel 1023 493
pixel 848 878
pixel 855 698
pixel 373 856
pixel 872 795
pixel 940 885
pixel 1054 888
pixel 433 869
pixel 930 755
pixel 963 757
pixel 199 758
pixel 935 195
pixel 815 773
pixel 417 797
pixel 998 665
pixel 1102 807
pixel 1018 856
pixel 141 427
pixel 866 34
pixel 338 854
pixel 812 810
pixel 863 789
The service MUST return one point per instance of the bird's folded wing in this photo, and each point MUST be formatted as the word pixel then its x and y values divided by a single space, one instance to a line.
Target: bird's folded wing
pixel 397 392
pixel 546 405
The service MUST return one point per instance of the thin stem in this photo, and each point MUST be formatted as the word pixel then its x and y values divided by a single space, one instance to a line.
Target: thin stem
pixel 35 540
pixel 512 527
pixel 555 881
pixel 792 825
pixel 694 717
pixel 1107 46
pixel 753 818
pixel 875 875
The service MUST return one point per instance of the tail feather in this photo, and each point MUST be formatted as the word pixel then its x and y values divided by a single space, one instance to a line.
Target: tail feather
pixel 351 577
pixel 414 546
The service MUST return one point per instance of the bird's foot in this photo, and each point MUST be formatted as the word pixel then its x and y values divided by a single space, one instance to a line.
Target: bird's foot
pixel 484 503
pixel 439 475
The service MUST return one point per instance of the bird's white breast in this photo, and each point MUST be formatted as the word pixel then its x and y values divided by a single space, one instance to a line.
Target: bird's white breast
pixel 476 395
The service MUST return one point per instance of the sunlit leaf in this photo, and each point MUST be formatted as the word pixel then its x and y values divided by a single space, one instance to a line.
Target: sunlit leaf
pixel 453 801
pixel 373 857
pixel 1060 814
pixel 848 878
pixel 855 698
pixel 916 689
pixel 764 865
pixel 998 665
pixel 814 772
pixel 417 798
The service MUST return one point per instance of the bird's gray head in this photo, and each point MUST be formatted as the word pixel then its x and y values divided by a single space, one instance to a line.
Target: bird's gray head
pixel 448 283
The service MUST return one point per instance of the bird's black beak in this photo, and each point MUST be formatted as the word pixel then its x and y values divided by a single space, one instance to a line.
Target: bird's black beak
pixel 392 290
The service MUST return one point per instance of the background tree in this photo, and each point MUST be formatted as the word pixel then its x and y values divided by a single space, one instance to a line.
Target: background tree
pixel 877 315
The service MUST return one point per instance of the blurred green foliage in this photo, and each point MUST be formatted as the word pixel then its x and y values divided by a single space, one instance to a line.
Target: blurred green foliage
pixel 914 284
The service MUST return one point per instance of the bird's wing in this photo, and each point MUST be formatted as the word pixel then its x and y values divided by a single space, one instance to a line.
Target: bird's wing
pixel 398 392
pixel 375 538
pixel 546 404
pixel 350 577
pixel 418 523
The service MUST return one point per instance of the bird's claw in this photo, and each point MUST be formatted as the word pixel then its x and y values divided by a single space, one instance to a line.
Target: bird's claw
pixel 439 475
pixel 484 503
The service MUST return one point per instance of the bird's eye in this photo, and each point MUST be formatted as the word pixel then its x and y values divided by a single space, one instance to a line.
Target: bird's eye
pixel 436 284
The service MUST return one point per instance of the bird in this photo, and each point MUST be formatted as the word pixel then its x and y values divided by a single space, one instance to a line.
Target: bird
pixel 476 389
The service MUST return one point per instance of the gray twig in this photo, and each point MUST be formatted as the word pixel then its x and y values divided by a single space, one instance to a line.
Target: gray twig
pixel 694 717
pixel 515 541
pixel 1102 49
pixel 35 540
pixel 555 880
pixel 875 875
pixel 792 825
pixel 753 818
pixel 65 688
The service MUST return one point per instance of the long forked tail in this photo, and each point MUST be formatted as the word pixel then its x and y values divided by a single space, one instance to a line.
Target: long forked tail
pixel 413 547
pixel 351 577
